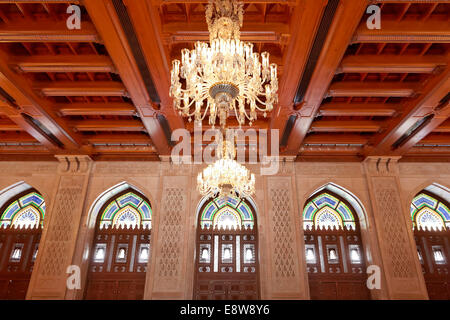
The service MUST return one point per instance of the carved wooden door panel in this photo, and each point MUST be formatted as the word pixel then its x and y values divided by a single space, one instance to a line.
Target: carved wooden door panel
pixel 118 264
pixel 226 265
pixel 433 250
pixel 335 265
pixel 18 252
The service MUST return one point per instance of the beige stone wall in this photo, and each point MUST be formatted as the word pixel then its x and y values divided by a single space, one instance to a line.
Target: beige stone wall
pixel 171 190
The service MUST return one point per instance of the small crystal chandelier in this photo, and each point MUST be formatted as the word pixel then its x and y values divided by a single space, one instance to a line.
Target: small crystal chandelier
pixel 227 74
pixel 226 177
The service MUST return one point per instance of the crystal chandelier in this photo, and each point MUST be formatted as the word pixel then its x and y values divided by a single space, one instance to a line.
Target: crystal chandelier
pixel 226 176
pixel 226 73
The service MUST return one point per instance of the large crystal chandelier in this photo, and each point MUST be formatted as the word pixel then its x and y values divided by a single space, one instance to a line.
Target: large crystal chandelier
pixel 226 73
pixel 226 177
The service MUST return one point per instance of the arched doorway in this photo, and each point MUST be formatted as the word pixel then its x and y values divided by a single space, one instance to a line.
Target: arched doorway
pixel 226 255
pixel 430 215
pixel 21 222
pixel 333 249
pixel 121 248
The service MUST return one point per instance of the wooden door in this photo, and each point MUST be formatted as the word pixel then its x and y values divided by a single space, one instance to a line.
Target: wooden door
pixel 118 273
pixel 18 252
pixel 335 264
pixel 433 251
pixel 226 265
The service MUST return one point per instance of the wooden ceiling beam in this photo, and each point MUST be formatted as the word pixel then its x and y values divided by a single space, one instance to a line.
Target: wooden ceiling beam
pixel 424 104
pixel 436 138
pixel 22 150
pixel 86 109
pixel 320 150
pixel 28 102
pixel 124 149
pixel 346 19
pixel 16 137
pixel 324 138
pixel 81 88
pixel 147 23
pixel 439 119
pixel 430 151
pixel 25 30
pixel 345 126
pixel 251 31
pixel 8 125
pixel 108 125
pixel 390 63
pixel 64 63
pixel 304 23
pixel 360 109
pixel 406 31
pixel 371 89
pixel 443 127
pixel 41 1
pixel 105 18
pixel 118 138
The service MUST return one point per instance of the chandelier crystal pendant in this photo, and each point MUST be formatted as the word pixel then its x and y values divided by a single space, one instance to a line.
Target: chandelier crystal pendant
pixel 226 177
pixel 226 74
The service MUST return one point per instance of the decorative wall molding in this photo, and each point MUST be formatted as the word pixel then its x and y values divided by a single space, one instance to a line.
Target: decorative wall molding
pixel 329 169
pixel 127 167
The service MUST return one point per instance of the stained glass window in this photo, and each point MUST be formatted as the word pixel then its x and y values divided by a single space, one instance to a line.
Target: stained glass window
pixel 429 213
pixel 228 212
pixel 127 210
pixel 26 212
pixel 327 211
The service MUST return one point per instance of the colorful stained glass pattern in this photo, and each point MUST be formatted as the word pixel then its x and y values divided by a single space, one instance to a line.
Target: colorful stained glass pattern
pixel 127 210
pixel 327 211
pixel 228 212
pixel 26 212
pixel 429 213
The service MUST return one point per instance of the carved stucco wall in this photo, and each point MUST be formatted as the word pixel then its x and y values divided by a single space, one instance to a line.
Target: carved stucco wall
pixel 171 190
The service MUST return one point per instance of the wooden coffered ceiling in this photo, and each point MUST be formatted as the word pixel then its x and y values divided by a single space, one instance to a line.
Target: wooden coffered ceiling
pixel 346 92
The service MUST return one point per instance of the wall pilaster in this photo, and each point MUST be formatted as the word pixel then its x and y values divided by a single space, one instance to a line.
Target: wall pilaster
pixel 404 279
pixel 286 271
pixel 61 226
pixel 169 258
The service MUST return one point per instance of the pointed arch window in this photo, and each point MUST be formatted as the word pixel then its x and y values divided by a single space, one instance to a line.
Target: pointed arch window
pixel 21 222
pixel 227 213
pixel 121 247
pixel 26 212
pixel 428 213
pixel 129 211
pixel 333 247
pixel 327 212
pixel 430 216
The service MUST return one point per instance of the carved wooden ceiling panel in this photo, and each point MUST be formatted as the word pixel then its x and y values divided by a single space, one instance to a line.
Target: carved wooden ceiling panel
pixel 346 91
